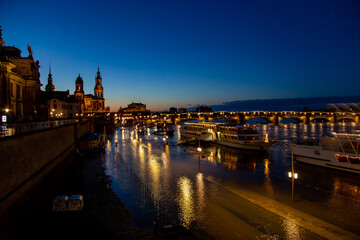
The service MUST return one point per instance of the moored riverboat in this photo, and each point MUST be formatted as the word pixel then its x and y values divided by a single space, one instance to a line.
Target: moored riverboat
pixel 164 129
pixel 340 152
pixel 244 137
pixel 91 142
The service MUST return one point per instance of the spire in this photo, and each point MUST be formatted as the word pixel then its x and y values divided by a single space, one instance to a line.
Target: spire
pixel 98 90
pixel 50 69
pixel 50 86
pixel 98 76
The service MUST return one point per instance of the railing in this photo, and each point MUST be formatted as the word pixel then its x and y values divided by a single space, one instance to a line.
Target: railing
pixel 20 128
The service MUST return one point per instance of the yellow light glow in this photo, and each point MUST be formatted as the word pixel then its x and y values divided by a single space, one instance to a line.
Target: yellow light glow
pixel 267 137
pixel 295 175
pixel 186 201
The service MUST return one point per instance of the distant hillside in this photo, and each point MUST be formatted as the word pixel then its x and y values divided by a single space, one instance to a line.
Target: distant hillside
pixel 290 104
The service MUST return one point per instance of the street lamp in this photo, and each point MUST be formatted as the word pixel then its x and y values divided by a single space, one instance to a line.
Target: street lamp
pixel 165 139
pixel 293 175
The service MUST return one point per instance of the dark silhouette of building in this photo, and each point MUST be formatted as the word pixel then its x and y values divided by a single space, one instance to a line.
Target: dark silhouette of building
pixel 182 110
pixel 204 109
pixel 173 110
pixel 50 86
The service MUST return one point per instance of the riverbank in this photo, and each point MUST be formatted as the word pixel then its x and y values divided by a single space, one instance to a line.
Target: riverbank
pixel 104 216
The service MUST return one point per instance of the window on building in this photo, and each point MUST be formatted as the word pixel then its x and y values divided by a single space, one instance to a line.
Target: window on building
pixel 54 106
pixel 70 107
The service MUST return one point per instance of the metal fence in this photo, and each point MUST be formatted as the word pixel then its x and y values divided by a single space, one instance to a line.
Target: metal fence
pixel 20 128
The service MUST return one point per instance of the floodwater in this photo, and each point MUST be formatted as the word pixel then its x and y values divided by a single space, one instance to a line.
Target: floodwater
pixel 209 192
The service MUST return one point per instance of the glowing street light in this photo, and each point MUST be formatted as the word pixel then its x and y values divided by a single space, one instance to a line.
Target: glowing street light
pixel 165 139
pixel 293 175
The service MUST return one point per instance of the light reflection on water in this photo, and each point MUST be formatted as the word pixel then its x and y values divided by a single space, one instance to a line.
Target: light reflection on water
pixel 292 230
pixel 185 200
pixel 169 182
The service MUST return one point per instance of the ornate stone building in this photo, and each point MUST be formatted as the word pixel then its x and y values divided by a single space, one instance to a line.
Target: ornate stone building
pixel 91 104
pixel 60 104
pixel 19 84
pixel 133 109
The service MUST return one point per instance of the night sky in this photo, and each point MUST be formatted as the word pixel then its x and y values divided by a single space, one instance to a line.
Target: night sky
pixel 185 53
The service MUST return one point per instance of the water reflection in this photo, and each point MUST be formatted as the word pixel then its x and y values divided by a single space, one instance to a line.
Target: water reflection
pixel 200 185
pixel 167 180
pixel 292 230
pixel 155 184
pixel 268 186
pixel 185 201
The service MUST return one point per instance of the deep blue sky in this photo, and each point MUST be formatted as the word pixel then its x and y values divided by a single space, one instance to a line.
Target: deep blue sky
pixel 182 53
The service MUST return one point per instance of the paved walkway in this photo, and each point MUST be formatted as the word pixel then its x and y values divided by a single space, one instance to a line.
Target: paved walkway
pixel 311 223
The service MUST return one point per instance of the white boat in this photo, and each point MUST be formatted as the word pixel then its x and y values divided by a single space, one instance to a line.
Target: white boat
pixel 341 152
pixel 244 137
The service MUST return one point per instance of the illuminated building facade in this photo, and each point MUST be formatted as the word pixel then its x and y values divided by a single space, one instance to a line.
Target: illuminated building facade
pixel 91 104
pixel 60 104
pixel 133 108
pixel 134 111
pixel 19 84
pixel 79 93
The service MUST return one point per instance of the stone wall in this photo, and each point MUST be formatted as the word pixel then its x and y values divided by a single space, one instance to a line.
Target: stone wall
pixel 26 158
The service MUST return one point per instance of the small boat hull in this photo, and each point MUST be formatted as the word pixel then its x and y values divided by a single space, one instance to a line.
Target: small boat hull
pixel 315 155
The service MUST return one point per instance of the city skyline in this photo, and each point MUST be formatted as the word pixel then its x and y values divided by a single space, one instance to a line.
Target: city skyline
pixel 187 53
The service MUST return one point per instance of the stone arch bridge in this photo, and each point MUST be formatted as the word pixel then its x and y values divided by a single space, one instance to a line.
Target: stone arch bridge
pixel 270 117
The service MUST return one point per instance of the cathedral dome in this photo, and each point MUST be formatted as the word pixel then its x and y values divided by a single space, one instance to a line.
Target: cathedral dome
pixel 79 80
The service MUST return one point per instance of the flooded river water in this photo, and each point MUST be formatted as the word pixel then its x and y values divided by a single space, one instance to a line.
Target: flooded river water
pixel 210 193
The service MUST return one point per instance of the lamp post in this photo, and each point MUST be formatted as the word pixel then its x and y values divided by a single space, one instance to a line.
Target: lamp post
pixel 293 175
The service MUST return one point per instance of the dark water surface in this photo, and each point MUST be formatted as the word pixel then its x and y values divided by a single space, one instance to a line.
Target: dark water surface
pixel 181 186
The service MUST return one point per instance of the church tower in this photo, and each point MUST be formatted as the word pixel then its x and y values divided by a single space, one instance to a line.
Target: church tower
pixel 50 86
pixel 98 90
pixel 99 101
pixel 79 93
